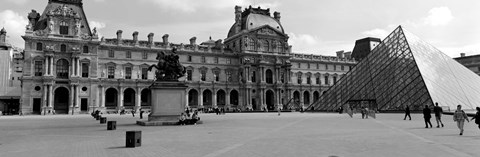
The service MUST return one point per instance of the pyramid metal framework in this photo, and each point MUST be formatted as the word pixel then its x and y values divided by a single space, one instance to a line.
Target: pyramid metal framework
pixel 404 70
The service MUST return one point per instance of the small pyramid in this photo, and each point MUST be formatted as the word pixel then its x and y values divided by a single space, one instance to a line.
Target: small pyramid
pixel 404 70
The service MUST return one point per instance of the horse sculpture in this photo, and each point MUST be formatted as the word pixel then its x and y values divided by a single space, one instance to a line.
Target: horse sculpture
pixel 168 67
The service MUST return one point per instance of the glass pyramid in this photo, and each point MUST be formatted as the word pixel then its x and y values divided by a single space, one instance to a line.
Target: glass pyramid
pixel 404 70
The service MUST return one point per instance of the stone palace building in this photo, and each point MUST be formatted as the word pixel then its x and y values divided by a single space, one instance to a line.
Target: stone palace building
pixel 69 69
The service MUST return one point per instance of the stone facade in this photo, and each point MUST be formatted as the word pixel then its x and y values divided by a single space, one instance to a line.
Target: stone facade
pixel 68 69
pixel 11 67
pixel 471 62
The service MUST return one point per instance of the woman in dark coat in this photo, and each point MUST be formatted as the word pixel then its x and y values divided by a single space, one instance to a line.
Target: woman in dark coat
pixel 427 116
pixel 477 117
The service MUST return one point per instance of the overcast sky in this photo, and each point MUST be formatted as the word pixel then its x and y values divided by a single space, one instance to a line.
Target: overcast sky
pixel 314 26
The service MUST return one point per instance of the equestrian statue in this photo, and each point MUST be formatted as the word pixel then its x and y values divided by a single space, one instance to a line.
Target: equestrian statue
pixel 168 67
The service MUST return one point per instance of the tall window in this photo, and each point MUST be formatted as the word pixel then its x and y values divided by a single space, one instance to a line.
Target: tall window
pixel 62 69
pixel 63 28
pixel 229 76
pixel 254 76
pixel 203 76
pixel 111 53
pixel 335 67
pixel 326 80
pixel 299 78
pixel 299 66
pixel 39 47
pixel 265 45
pixel 111 72
pixel 309 81
pixel 269 76
pixel 85 70
pixel 326 66
pixel 251 44
pixel 85 49
pixel 144 55
pixel 189 75
pixel 317 80
pixel 128 72
pixel 279 46
pixel 229 61
pixel 217 76
pixel 144 73
pixel 343 68
pixel 203 59
pixel 334 79
pixel 38 68
pixel 128 54
pixel 308 65
pixel 318 66
pixel 63 48
pixel 216 60
pixel 189 58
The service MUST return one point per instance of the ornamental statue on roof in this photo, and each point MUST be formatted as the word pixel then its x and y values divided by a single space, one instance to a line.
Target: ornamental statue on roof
pixel 168 67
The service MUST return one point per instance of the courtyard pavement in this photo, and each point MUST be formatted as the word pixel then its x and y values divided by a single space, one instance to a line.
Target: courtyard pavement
pixel 239 135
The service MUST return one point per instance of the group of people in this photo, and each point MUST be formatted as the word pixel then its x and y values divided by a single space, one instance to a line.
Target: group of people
pixel 185 118
pixel 122 112
pixel 459 116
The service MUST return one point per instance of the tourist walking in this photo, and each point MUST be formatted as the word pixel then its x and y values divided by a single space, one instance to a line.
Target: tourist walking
pixel 141 113
pixel 460 116
pixel 477 117
pixel 438 114
pixel 407 113
pixel 427 116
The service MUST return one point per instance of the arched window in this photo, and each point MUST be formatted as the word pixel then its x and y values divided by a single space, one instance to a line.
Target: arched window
pixel 63 48
pixel 85 49
pixel 62 69
pixel 265 45
pixel 63 28
pixel 269 76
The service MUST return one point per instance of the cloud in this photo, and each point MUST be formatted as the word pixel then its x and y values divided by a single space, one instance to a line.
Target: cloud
pixel 190 6
pixel 98 25
pixel 376 33
pixel 439 16
pixel 14 24
pixel 18 2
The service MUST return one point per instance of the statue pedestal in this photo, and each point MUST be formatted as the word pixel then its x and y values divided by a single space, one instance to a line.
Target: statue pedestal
pixel 168 102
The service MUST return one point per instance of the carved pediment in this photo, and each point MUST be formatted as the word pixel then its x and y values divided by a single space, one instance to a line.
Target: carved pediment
pixel 63 10
pixel 267 30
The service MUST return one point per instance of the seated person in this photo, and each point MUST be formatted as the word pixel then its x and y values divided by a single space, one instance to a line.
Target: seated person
pixel 195 118
pixel 182 119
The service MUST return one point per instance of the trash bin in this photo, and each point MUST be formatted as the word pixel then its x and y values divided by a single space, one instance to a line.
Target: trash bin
pixel 103 120
pixel 134 139
pixel 111 125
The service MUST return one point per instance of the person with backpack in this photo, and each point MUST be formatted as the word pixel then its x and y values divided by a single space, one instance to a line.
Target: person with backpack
pixel 477 117
pixel 460 116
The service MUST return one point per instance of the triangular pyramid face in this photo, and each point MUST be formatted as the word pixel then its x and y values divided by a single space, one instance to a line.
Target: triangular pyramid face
pixel 403 70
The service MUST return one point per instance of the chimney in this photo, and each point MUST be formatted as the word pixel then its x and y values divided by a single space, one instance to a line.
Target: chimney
pixel 462 54
pixel 150 38
pixel 119 36
pixel 135 36
pixel 193 41
pixel 277 16
pixel 340 54
pixel 165 39
pixel 348 55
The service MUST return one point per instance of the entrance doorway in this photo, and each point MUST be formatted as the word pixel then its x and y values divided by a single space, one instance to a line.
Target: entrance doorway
pixel 111 96
pixel 84 105
pixel 61 100
pixel 37 103
pixel 270 100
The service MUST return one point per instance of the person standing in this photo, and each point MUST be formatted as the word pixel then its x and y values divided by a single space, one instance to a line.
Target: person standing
pixel 407 113
pixel 438 114
pixel 477 117
pixel 427 116
pixel 141 113
pixel 460 116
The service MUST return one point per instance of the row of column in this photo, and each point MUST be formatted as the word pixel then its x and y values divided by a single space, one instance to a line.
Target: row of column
pixel 277 76
pixel 48 65
pixel 47 95
pixel 75 68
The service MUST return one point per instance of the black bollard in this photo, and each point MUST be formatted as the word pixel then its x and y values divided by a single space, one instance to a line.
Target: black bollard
pixel 133 139
pixel 103 120
pixel 111 125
